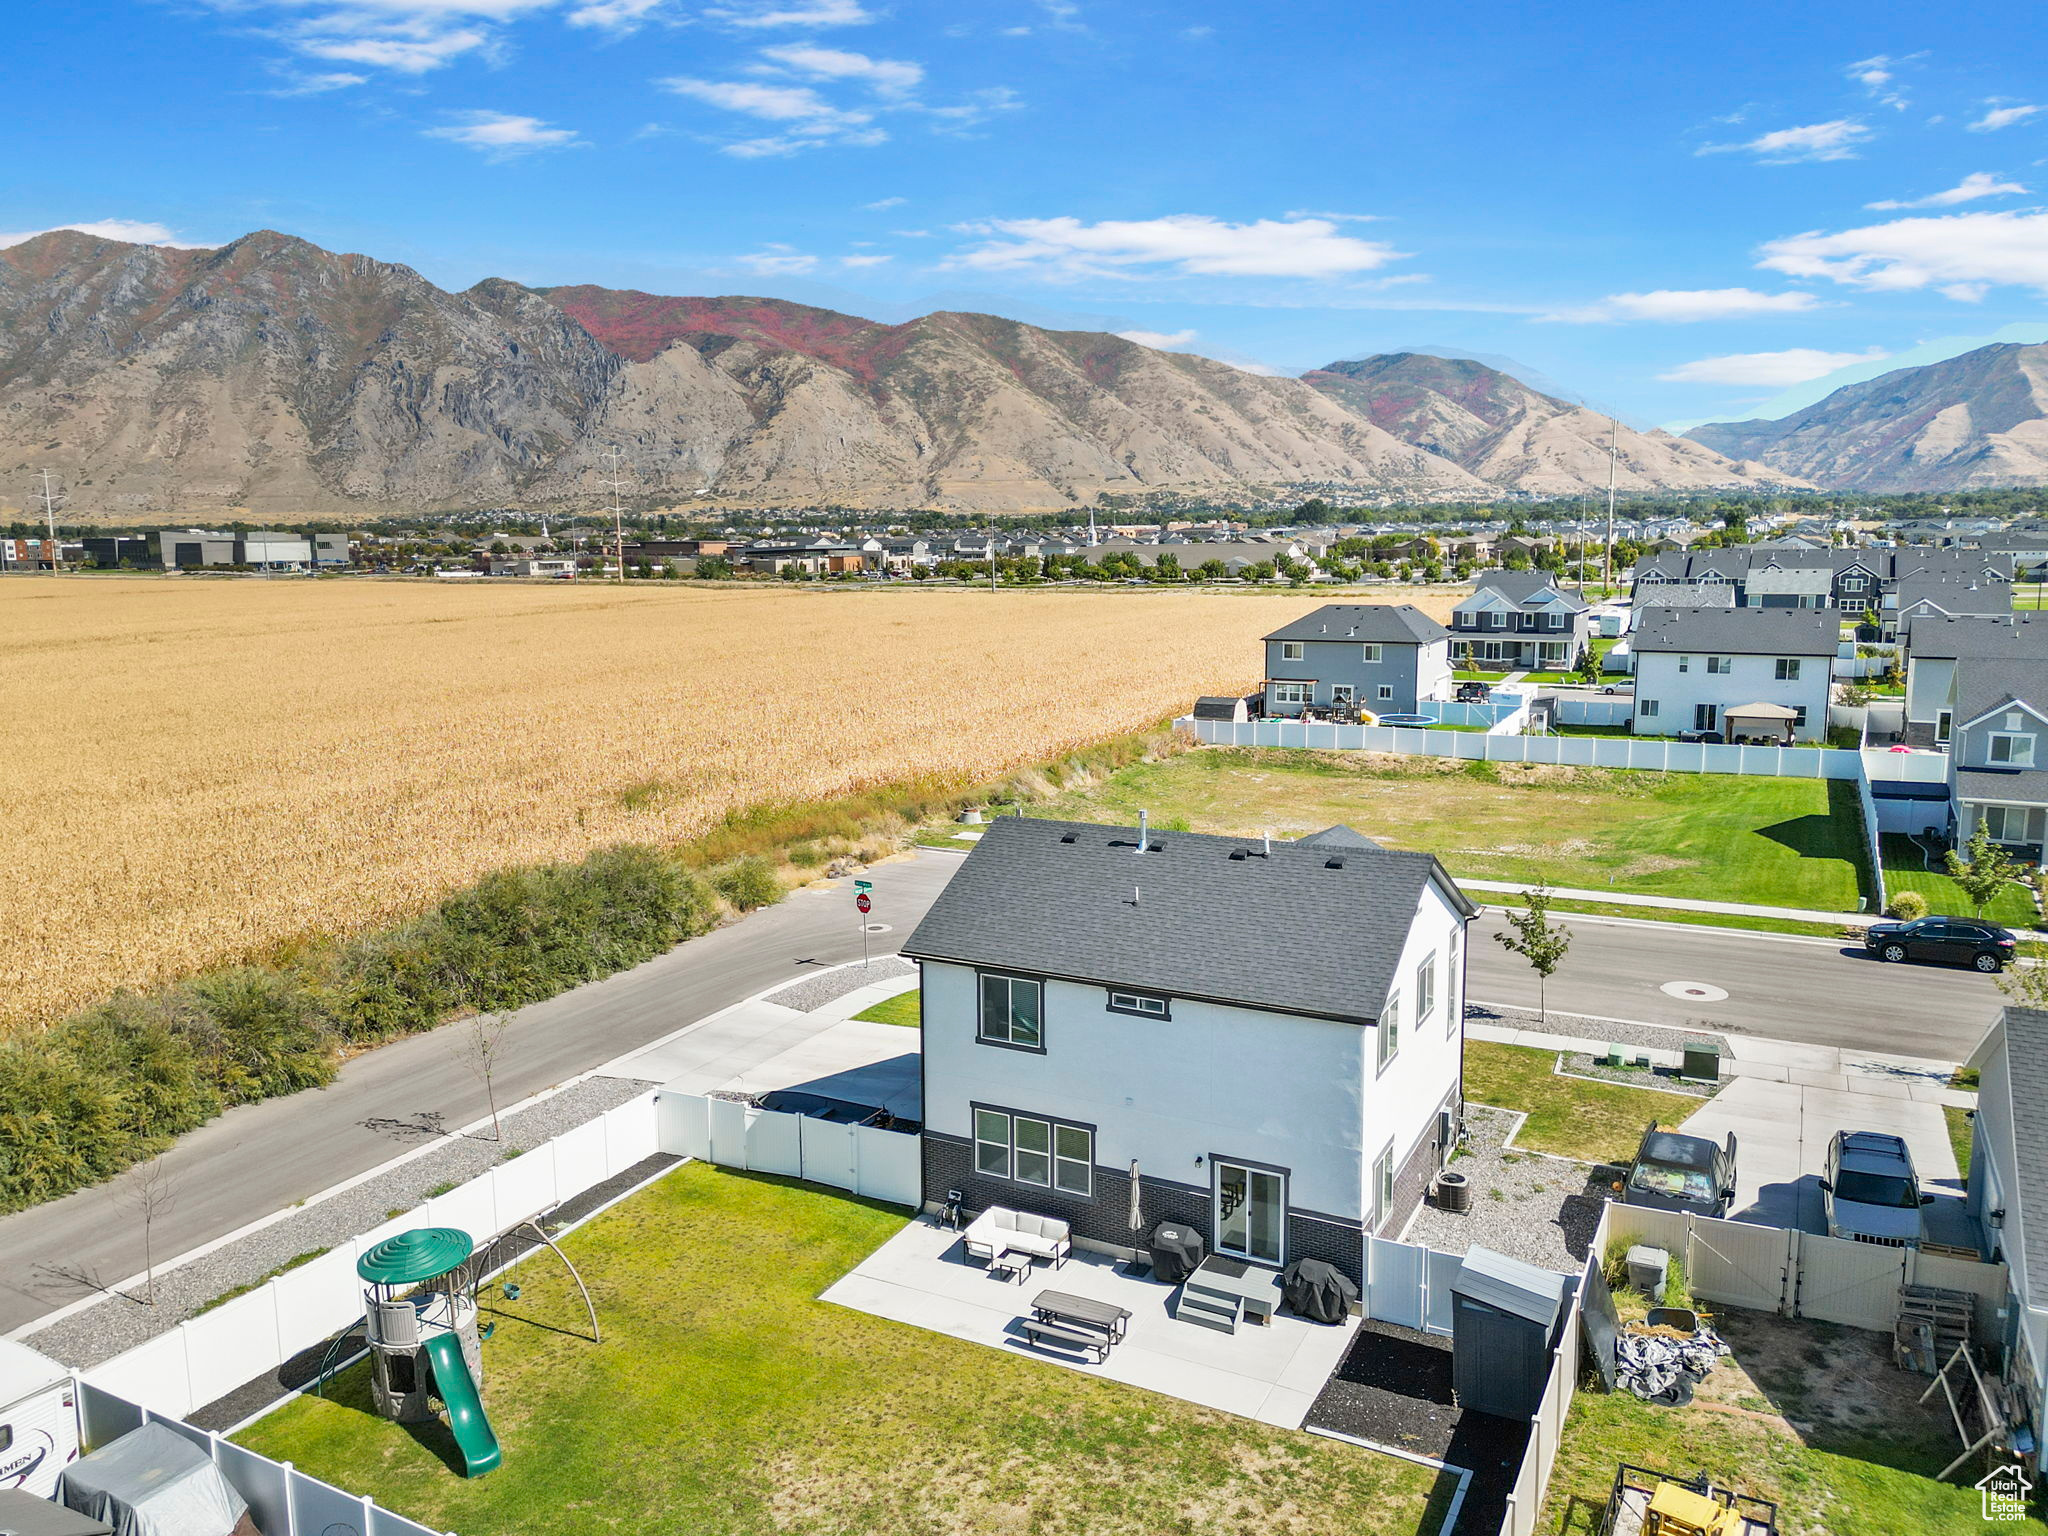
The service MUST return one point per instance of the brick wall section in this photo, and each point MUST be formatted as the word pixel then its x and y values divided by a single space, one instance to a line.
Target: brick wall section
pixel 949 1164
pixel 1411 1179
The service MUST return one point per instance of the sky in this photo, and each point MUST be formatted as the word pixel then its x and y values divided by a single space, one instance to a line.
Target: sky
pixel 1683 213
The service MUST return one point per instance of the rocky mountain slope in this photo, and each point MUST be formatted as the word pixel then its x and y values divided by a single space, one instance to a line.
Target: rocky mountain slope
pixel 1976 420
pixel 1504 432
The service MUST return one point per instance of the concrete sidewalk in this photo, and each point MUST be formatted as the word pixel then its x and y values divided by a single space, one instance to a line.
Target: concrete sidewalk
pixel 1683 904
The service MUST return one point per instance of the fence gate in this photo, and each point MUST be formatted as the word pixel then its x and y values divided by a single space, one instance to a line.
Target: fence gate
pixel 1737 1264
pixel 1396 1281
pixel 1440 1271
pixel 1844 1281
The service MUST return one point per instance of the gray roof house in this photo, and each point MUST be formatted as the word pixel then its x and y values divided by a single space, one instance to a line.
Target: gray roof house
pixel 1383 658
pixel 1267 1036
pixel 1520 621
pixel 1699 669
pixel 2007 1191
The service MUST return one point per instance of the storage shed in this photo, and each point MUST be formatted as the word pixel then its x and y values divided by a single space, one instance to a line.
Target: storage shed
pixel 1504 1322
pixel 1215 707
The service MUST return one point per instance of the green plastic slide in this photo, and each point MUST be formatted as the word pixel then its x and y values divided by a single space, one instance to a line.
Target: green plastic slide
pixel 472 1431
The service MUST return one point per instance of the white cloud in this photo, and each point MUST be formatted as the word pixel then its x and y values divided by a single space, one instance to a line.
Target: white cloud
pixel 872 260
pixel 1178 244
pixel 319 85
pixel 2003 117
pixel 1160 339
pixel 777 260
pixel 1334 218
pixel 1681 306
pixel 1879 77
pixel 1954 250
pixel 404 54
pixel 777 103
pixel 881 203
pixel 128 231
pixel 1973 186
pixel 1780 370
pixel 613 15
pixel 886 77
pixel 503 135
pixel 806 13
pixel 1834 140
pixel 1197 34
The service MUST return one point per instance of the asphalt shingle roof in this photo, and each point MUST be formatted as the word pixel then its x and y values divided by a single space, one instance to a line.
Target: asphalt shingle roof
pixel 1739 631
pixel 1309 928
pixel 2028 786
pixel 1686 594
pixel 2012 636
pixel 1368 623
pixel 1985 682
pixel 2026 1054
pixel 1520 586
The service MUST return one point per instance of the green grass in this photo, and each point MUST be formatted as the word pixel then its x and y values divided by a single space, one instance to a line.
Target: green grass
pixel 1553 677
pixel 1675 915
pixel 1468 675
pixel 727 1398
pixel 1904 870
pixel 1569 1116
pixel 1809 1416
pixel 904 1008
pixel 1962 1135
pixel 286 1267
pixel 1736 838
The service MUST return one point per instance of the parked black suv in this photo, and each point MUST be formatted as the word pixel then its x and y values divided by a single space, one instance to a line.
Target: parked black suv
pixel 1954 940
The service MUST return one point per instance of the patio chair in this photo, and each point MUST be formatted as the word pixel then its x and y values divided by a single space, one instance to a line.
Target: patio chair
pixel 1002 1230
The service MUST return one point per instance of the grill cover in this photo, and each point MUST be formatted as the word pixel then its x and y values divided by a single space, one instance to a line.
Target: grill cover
pixel 1176 1251
pixel 1320 1292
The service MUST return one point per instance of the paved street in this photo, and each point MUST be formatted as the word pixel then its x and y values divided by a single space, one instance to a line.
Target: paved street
pixel 264 1157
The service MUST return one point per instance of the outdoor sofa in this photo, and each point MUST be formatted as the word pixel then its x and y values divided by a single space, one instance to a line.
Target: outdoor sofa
pixel 1000 1230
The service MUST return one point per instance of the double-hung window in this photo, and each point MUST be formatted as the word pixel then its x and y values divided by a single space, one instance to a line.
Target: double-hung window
pixel 1685 663
pixel 1647 708
pixel 1292 650
pixel 1390 1029
pixel 1788 669
pixel 1425 989
pixel 1031 1150
pixel 1012 1012
pixel 1721 665
pixel 1370 654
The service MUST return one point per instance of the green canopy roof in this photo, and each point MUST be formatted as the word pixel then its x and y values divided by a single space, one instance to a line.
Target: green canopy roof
pixel 420 1254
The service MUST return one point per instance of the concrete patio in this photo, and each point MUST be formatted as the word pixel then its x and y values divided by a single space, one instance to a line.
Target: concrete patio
pixel 1271 1373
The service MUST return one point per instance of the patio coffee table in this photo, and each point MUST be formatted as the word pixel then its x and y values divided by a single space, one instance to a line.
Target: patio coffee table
pixel 1059 1306
pixel 1010 1264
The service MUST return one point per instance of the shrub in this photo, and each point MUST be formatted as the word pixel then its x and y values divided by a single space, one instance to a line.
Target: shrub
pixel 1907 906
pixel 748 883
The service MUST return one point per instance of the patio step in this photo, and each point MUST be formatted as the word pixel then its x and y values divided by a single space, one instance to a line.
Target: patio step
pixel 1210 1309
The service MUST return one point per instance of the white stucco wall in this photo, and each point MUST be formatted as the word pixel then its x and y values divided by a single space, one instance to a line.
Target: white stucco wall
pixel 1297 1093
pixel 1752 680
pixel 1929 681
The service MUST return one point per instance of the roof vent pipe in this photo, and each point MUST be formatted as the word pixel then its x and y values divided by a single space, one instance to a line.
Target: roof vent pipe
pixel 1269 842
pixel 1144 831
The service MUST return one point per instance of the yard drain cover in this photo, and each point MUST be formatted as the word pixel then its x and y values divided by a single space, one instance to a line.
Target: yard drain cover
pixel 1693 991
pixel 884 928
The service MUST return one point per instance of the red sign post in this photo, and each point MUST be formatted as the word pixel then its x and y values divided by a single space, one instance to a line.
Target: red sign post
pixel 863 903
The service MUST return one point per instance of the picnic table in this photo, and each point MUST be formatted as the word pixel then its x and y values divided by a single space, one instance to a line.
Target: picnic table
pixel 1060 1307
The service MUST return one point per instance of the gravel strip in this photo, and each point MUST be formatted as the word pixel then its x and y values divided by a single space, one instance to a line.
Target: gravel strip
pixel 814 992
pixel 1655 1037
pixel 100 1332
pixel 1663 1079
pixel 1525 1205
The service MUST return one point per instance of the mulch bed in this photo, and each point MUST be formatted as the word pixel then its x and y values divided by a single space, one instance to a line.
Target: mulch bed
pixel 1393 1387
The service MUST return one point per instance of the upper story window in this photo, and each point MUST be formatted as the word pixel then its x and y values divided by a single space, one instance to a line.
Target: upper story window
pixel 1012 1011
pixel 1142 1003
pixel 1369 653
pixel 1425 989
pixel 1720 664
pixel 1497 620
pixel 1788 669
pixel 1854 583
pixel 1292 650
pixel 1451 976
pixel 1685 663
pixel 2012 751
pixel 1390 1029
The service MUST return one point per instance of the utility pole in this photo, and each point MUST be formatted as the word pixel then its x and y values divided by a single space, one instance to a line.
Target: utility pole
pixel 617 484
pixel 1607 560
pixel 50 521
pixel 991 555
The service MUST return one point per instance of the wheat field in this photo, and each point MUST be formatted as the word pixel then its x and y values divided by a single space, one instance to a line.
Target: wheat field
pixel 197 769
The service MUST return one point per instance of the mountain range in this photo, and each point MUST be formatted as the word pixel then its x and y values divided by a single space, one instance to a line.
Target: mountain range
pixel 271 378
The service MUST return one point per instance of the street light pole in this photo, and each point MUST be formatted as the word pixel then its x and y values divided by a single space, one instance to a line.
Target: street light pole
pixel 50 522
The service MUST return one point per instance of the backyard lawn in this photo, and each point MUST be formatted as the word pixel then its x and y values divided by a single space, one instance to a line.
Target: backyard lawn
pixel 1570 1116
pixel 1740 838
pixel 1808 1415
pixel 904 1008
pixel 1905 869
pixel 726 1398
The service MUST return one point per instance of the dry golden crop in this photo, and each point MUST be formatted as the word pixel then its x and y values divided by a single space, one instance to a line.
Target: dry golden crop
pixel 197 769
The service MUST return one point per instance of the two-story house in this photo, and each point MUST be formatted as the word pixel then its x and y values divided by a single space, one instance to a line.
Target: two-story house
pixel 1941 652
pixel 1998 755
pixel 1695 667
pixel 1381 657
pixel 1264 1038
pixel 1520 620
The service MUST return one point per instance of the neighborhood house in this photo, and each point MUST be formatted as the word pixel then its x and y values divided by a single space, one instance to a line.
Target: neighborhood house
pixel 1520 620
pixel 1259 1041
pixel 1736 672
pixel 1370 656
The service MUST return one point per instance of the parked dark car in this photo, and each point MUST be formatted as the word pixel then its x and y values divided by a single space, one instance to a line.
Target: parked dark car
pixel 1473 693
pixel 1712 738
pixel 1676 1172
pixel 1950 940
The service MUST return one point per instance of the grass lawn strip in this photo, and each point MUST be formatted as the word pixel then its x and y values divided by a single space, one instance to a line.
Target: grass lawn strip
pixel 905 1008
pixel 1567 1116
pixel 1735 838
pixel 1905 869
pixel 726 1398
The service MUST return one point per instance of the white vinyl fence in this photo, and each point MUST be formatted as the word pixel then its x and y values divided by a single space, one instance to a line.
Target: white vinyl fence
pixel 1546 1425
pixel 282 1500
pixel 1873 827
pixel 206 1357
pixel 1578 709
pixel 882 1165
pixel 1408 1285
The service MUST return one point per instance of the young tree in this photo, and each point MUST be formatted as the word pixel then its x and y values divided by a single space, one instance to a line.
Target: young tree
pixel 152 1191
pixel 1988 870
pixel 1539 941
pixel 482 1036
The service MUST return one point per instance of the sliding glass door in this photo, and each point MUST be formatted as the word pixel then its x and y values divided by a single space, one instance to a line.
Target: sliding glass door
pixel 1251 1212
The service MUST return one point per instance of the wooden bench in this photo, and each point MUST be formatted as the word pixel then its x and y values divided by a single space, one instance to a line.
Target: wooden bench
pixel 1038 1331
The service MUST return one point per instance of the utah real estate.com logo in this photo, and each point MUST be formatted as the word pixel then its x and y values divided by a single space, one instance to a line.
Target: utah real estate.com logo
pixel 2005 1493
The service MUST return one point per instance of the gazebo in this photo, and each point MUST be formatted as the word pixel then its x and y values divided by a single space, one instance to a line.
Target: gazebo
pixel 1771 721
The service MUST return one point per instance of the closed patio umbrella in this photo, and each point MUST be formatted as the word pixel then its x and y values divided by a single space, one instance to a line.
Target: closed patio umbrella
pixel 1136 1216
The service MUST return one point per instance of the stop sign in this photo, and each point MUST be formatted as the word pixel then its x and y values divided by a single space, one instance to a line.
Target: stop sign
pixel 862 901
